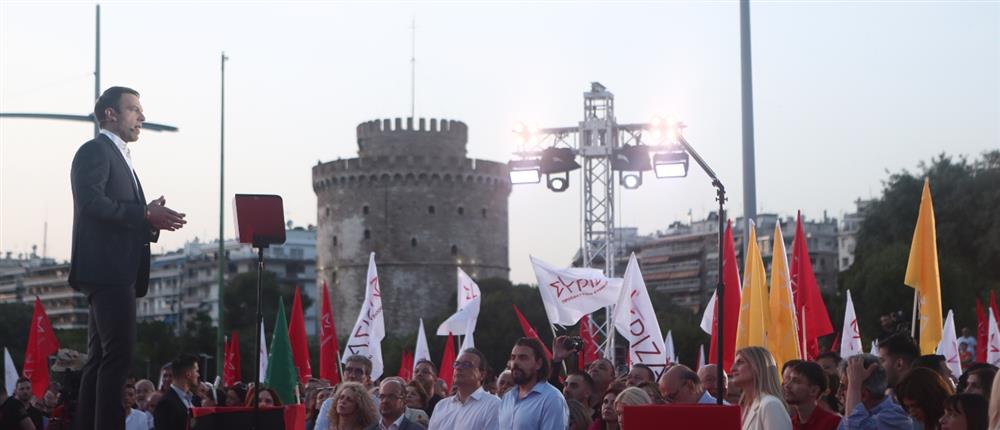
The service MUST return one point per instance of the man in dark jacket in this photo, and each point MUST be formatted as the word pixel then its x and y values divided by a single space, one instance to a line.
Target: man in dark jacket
pixel 174 409
pixel 112 229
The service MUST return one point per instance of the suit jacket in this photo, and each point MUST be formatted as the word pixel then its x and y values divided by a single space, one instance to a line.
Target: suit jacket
pixel 170 413
pixel 110 233
pixel 406 424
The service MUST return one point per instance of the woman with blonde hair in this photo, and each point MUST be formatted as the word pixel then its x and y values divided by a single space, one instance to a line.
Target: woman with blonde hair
pixel 353 408
pixel 631 396
pixel 995 405
pixel 762 402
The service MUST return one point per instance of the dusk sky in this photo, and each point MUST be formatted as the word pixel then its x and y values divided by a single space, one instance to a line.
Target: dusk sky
pixel 844 92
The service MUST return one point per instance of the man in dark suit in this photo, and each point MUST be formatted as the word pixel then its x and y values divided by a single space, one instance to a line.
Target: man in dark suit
pixel 112 229
pixel 392 405
pixel 174 408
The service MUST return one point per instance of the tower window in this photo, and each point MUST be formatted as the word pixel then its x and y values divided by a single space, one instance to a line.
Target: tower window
pixel 413 242
pixel 364 209
pixel 461 210
pixel 483 212
pixel 327 211
pixel 454 250
pixel 335 241
pixel 368 234
pixel 430 209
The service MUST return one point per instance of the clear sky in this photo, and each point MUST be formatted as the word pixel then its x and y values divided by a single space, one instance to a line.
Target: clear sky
pixel 844 91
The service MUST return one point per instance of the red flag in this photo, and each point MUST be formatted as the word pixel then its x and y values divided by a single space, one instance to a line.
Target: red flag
pixel 589 353
pixel 406 365
pixel 529 331
pixel 328 348
pixel 808 300
pixel 231 372
pixel 42 343
pixel 297 337
pixel 447 372
pixel 731 279
pixel 982 332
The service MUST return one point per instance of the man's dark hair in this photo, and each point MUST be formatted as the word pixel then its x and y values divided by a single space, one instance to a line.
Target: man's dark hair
pixel 652 374
pixel 424 360
pixel 831 355
pixel 483 364
pixel 539 351
pixel 366 363
pixel 813 373
pixel 789 363
pixel 901 345
pixel 182 364
pixel 934 362
pixel 111 98
pixel 22 379
pixel 586 378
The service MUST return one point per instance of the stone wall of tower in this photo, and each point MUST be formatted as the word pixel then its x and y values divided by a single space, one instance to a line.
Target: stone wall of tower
pixel 414 199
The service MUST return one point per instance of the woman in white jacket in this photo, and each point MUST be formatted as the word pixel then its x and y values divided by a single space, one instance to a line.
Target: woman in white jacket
pixel 762 403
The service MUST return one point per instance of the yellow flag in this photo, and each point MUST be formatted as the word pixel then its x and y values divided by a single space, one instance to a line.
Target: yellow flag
pixel 754 314
pixel 923 275
pixel 782 334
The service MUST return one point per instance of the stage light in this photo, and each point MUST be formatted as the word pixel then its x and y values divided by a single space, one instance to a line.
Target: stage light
pixel 672 164
pixel 524 171
pixel 557 183
pixel 634 158
pixel 630 180
pixel 558 160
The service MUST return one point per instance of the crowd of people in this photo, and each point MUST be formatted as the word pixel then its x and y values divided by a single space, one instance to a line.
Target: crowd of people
pixel 896 389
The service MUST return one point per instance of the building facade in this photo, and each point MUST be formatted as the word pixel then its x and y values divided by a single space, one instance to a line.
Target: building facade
pixel 414 199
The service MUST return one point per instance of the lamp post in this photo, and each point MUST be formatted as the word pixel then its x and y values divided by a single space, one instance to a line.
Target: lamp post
pixel 220 337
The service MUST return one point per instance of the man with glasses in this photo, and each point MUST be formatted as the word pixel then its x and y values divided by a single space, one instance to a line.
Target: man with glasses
pixel 680 384
pixel 471 407
pixel 391 407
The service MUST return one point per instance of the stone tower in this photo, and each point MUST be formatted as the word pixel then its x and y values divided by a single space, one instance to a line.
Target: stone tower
pixel 414 199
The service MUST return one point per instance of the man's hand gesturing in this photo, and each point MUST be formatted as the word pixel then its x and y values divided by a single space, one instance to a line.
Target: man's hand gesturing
pixel 162 217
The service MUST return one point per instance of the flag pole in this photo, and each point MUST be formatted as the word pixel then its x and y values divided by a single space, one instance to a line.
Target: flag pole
pixel 805 349
pixel 913 324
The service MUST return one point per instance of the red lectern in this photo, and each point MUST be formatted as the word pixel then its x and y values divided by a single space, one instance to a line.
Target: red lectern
pixel 681 416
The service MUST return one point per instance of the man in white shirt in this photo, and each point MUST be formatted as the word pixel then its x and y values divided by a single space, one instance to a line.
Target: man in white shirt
pixel 134 418
pixel 471 407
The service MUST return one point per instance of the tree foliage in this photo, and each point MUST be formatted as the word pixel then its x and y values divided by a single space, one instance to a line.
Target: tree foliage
pixel 966 197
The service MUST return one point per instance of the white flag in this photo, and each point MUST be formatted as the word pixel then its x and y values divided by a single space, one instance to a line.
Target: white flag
pixel 874 350
pixel 701 357
pixel 993 347
pixel 422 352
pixel 850 338
pixel 635 320
pixel 948 347
pixel 369 329
pixel 569 294
pixel 9 373
pixel 468 341
pixel 708 317
pixel 262 371
pixel 668 345
pixel 469 298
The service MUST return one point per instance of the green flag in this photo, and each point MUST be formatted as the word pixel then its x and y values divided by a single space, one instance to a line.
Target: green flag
pixel 281 374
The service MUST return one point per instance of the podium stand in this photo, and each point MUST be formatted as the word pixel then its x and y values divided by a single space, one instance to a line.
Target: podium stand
pixel 681 416
pixel 290 417
pixel 260 222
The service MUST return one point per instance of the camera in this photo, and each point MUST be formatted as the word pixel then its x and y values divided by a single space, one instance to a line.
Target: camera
pixel 573 343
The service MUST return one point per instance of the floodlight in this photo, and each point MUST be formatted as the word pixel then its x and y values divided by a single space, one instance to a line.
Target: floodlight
pixel 672 164
pixel 558 160
pixel 630 180
pixel 524 171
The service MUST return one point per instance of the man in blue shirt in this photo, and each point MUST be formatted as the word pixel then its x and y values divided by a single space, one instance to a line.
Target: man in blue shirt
pixel 866 405
pixel 533 403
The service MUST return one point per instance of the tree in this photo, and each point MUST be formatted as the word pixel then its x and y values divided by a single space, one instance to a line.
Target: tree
pixel 966 200
pixel 241 311
pixel 15 318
